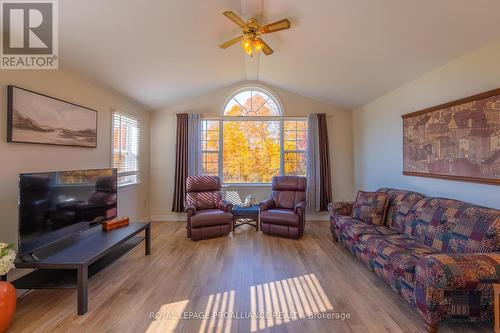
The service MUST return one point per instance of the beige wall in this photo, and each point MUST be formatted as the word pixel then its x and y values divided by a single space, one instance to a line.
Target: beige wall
pixel 18 157
pixel 163 123
pixel 378 140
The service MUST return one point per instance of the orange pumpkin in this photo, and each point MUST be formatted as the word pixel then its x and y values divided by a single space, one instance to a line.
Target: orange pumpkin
pixel 7 304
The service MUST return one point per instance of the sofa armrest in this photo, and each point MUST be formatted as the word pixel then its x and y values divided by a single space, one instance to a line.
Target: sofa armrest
pixel 300 207
pixel 225 206
pixel 190 210
pixel 340 208
pixel 458 271
pixel 266 205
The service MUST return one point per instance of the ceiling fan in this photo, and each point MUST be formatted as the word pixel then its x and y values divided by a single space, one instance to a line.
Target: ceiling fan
pixel 252 31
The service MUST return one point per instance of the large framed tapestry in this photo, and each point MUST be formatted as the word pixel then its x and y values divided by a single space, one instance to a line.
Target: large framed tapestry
pixel 36 118
pixel 459 140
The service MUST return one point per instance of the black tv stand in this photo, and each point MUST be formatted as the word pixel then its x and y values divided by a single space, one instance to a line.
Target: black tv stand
pixel 72 263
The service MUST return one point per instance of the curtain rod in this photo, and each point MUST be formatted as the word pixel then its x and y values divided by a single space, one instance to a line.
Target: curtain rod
pixel 214 117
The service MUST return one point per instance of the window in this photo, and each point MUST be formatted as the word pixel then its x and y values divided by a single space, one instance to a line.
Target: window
pixel 210 147
pixel 126 140
pixel 251 151
pixel 252 141
pixel 295 147
pixel 252 103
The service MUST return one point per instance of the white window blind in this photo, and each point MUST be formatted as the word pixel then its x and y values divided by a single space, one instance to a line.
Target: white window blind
pixel 126 143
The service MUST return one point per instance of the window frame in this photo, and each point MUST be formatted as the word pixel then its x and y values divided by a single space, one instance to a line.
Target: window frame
pixel 293 151
pixel 208 151
pixel 280 119
pixel 138 172
pixel 254 88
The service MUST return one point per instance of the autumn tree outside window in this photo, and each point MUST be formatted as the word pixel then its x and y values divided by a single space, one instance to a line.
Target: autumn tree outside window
pixel 253 141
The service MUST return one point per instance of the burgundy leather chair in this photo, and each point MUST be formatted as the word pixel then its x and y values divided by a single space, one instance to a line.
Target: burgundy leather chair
pixel 208 215
pixel 284 213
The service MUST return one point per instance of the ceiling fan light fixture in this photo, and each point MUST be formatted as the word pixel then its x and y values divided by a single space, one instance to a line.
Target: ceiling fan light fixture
pixel 258 45
pixel 251 33
pixel 246 44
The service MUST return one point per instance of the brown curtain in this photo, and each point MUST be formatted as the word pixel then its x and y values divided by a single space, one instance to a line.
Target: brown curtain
pixel 181 162
pixel 324 163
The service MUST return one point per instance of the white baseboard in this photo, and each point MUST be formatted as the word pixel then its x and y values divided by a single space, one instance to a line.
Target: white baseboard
pixel 168 218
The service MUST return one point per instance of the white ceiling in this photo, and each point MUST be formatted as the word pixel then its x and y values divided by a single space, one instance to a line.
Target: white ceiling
pixel 345 52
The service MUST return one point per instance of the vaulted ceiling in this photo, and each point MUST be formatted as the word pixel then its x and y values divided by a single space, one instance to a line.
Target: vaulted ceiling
pixel 345 52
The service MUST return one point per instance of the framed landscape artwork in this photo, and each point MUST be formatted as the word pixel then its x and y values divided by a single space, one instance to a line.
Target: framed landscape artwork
pixel 458 140
pixel 36 118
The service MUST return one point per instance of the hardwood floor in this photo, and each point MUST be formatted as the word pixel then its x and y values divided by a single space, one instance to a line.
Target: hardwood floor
pixel 245 272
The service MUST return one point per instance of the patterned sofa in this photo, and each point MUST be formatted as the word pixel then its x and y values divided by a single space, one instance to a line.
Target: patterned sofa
pixel 440 255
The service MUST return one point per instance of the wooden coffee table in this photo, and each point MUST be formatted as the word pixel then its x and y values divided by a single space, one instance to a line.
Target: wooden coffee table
pixel 71 262
pixel 246 215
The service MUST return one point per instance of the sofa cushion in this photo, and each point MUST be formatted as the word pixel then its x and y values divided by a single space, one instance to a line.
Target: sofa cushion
pixel 370 207
pixel 454 226
pixel 400 204
pixel 280 216
pixel 338 221
pixel 394 257
pixel 210 217
pixel 349 230
pixel 354 229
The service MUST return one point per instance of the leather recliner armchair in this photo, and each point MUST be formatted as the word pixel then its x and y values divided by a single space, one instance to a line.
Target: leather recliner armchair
pixel 208 215
pixel 284 213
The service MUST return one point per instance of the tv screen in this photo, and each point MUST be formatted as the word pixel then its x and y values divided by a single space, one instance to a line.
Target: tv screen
pixel 54 205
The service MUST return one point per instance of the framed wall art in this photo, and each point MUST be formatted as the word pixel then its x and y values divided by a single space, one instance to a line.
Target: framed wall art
pixel 459 140
pixel 37 118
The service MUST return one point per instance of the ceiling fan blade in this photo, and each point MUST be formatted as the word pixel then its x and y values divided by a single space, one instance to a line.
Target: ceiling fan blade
pixel 266 49
pixel 230 42
pixel 235 18
pixel 275 26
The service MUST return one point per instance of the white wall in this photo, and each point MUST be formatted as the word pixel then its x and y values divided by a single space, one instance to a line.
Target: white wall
pixel 17 158
pixel 378 133
pixel 163 124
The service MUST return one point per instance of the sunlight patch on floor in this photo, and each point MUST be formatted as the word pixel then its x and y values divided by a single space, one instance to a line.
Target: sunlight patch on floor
pixel 168 323
pixel 271 304
pixel 218 303
pixel 279 302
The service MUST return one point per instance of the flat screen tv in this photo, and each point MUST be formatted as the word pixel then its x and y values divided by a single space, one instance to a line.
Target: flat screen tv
pixel 55 205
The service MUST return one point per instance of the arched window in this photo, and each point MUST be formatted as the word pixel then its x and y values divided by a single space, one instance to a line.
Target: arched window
pixel 253 102
pixel 253 141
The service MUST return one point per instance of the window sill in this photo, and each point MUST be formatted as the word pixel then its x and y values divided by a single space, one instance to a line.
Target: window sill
pixel 125 186
pixel 246 185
